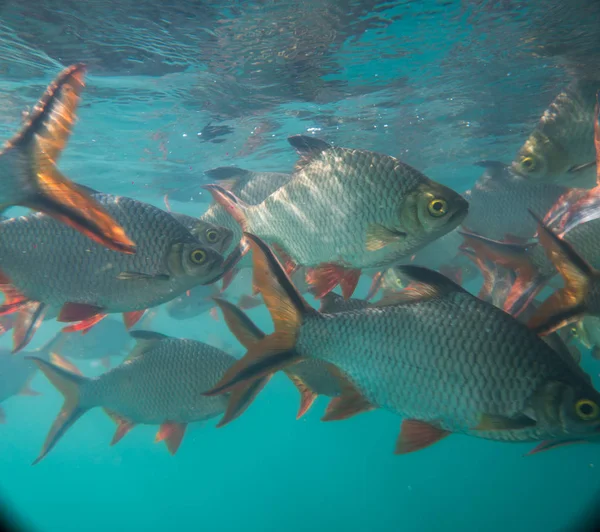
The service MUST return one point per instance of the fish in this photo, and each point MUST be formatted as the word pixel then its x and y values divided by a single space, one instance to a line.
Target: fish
pixel 575 215
pixel 580 295
pixel 499 200
pixel 561 148
pixel 193 303
pixel 47 265
pixel 586 332
pixel 30 177
pixel 16 373
pixel 215 236
pixel 106 339
pixel 348 210
pixel 160 383
pixel 435 354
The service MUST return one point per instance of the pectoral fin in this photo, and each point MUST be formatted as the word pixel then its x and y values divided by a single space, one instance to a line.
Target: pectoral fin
pixel 379 236
pixel 138 276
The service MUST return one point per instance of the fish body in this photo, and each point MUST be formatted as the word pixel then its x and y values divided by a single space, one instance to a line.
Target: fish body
pixel 15 374
pixel 349 209
pixel 437 355
pixel 499 201
pixel 29 175
pixel 161 382
pixel 561 148
pixel 53 264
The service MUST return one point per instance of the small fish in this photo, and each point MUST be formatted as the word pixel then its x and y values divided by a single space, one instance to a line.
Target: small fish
pixel 499 201
pixel 586 331
pixel 193 303
pixel 108 338
pixel 160 383
pixel 45 264
pixel 215 236
pixel 348 210
pixel 561 148
pixel 430 354
pixel 31 178
pixel 16 373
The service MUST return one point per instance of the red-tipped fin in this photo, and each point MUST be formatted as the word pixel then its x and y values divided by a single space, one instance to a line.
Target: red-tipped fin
pixel 548 445
pixel 307 396
pixel 349 403
pixel 14 300
pixel 29 319
pixel 124 425
pixel 326 277
pixel 132 317
pixel 416 435
pixel 243 328
pixel 172 433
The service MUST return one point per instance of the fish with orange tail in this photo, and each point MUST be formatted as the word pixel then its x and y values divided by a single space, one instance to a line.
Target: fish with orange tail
pixel 160 383
pixel 445 360
pixel 30 177
pixel 348 210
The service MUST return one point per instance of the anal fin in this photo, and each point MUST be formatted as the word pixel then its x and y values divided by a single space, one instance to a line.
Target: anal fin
pixel 416 435
pixel 307 396
pixel 349 403
pixel 172 433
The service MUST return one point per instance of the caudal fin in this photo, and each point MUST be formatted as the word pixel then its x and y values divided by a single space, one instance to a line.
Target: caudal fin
pixel 567 304
pixel 275 351
pixel 69 384
pixel 31 178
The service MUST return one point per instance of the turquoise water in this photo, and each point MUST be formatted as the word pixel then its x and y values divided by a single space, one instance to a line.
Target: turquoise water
pixel 440 85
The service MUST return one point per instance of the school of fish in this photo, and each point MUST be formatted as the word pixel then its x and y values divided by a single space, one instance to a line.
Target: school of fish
pixel 461 313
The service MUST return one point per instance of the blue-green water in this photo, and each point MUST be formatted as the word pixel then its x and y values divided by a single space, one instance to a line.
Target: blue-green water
pixel 440 85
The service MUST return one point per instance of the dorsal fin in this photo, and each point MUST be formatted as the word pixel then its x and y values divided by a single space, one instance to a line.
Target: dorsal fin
pixel 308 148
pixel 144 341
pixel 228 176
pixel 428 284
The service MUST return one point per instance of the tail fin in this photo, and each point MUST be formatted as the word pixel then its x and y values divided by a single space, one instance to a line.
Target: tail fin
pixel 69 384
pixel 567 304
pixel 288 309
pixel 29 319
pixel 34 181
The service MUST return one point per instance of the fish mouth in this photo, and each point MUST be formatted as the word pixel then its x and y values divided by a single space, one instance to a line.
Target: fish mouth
pixel 226 243
pixel 229 263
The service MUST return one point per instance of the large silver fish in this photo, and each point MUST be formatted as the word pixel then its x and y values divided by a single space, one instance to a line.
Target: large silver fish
pixel 160 383
pixel 445 360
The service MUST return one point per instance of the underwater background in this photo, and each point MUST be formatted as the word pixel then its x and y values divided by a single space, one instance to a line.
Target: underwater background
pixel 176 89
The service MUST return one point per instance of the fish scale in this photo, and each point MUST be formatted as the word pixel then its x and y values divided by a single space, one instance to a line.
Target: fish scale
pixel 165 383
pixel 54 264
pixel 425 364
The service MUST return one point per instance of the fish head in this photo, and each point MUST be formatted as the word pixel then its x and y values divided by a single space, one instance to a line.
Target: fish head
pixel 540 159
pixel 215 236
pixel 571 407
pixel 393 281
pixel 431 211
pixel 192 259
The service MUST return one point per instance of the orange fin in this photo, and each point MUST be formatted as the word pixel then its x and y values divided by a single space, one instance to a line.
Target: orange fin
pixel 307 396
pixel 232 205
pixel 349 403
pixel 416 435
pixel 553 444
pixel 229 277
pixel 242 327
pixel 29 319
pixel 63 363
pixel 375 286
pixel 40 142
pixel 289 265
pixel 568 303
pixel 287 308
pixel 85 325
pixel 14 300
pixel 172 433
pixel 78 312
pixel 326 277
pixel 132 317
pixel 123 426
pixel 241 398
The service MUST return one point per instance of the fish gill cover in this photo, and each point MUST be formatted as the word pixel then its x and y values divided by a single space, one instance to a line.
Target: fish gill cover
pixel 227 221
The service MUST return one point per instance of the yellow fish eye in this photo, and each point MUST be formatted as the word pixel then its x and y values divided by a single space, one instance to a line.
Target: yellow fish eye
pixel 437 207
pixel 399 282
pixel 198 256
pixel 528 164
pixel 212 236
pixel 574 331
pixel 587 409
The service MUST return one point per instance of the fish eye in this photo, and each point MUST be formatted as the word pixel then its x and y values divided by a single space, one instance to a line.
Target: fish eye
pixel 587 409
pixel 574 332
pixel 399 282
pixel 212 236
pixel 437 207
pixel 198 256
pixel 528 164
